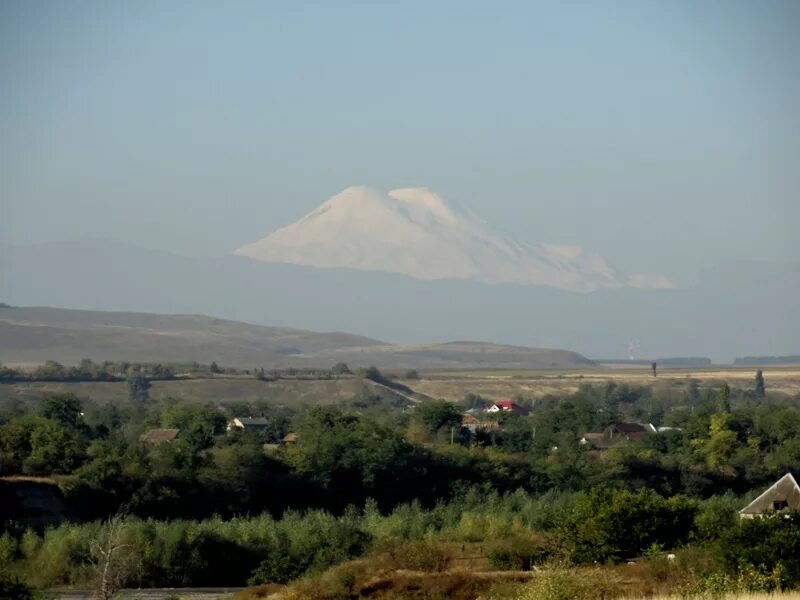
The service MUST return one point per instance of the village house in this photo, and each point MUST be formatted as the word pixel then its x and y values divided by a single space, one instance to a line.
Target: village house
pixel 781 496
pixel 506 406
pixel 158 436
pixel 471 423
pixel 596 440
pixel 289 438
pixel 248 423
pixel 620 432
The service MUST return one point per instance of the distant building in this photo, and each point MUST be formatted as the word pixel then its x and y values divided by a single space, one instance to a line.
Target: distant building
pixel 782 496
pixel 596 440
pixel 289 438
pixel 471 423
pixel 507 406
pixel 248 423
pixel 158 436
pixel 271 449
pixel 631 432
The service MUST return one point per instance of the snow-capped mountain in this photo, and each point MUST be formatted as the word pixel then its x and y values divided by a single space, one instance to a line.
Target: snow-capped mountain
pixel 413 231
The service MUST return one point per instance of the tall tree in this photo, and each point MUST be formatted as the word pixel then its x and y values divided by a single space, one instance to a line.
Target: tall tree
pixel 111 557
pixel 724 399
pixel 760 390
pixel 67 409
pixel 138 388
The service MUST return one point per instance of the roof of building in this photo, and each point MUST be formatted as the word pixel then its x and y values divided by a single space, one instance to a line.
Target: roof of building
pixel 468 419
pixel 784 494
pixel 252 421
pixel 290 437
pixel 505 404
pixel 155 436
pixel 630 427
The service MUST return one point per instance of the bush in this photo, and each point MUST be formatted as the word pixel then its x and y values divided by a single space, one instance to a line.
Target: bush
pixel 420 555
pixel 517 554
pixel 13 589
pixel 612 525
pixel 567 584
pixel 769 546
pixel 719 584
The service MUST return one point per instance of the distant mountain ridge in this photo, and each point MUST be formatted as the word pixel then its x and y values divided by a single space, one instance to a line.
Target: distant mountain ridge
pixel 36 334
pixel 413 231
pixel 738 309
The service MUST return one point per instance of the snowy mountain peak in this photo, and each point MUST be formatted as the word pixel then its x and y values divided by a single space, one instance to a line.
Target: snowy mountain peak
pixel 415 232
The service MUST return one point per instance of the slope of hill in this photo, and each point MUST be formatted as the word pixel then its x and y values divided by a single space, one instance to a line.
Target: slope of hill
pixel 35 334
pixel 741 309
pixel 415 232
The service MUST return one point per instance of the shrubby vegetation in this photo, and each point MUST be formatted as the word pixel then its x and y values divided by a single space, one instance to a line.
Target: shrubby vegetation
pixel 365 478
pixel 263 549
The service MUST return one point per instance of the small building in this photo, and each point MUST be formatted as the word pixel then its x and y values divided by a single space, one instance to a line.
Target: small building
pixel 271 449
pixel 506 406
pixel 596 440
pixel 248 423
pixel 289 438
pixel 782 496
pixel 631 432
pixel 158 436
pixel 470 422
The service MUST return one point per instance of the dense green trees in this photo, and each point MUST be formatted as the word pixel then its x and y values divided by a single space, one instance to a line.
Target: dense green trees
pixel 610 525
pixel 599 526
pixel 38 446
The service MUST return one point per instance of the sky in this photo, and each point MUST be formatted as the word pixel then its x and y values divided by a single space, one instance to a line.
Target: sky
pixel 663 135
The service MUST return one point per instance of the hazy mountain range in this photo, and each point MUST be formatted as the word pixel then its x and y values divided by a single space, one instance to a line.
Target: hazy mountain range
pixel 36 334
pixel 737 309
pixel 413 231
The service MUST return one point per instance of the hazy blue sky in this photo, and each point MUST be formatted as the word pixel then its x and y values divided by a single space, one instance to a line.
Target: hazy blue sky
pixel 665 135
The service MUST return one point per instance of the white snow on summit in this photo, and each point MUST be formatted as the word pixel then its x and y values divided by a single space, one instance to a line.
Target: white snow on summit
pixel 413 231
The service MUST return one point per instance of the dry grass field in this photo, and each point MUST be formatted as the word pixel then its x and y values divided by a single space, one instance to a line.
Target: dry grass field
pixel 775 596
pixel 448 385
pixel 242 389
pixel 499 384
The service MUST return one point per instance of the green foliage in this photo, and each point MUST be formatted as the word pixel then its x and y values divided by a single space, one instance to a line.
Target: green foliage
pixel 566 584
pixel 66 409
pixel 138 388
pixel 352 458
pixel 517 553
pixel 610 525
pixel 12 588
pixel 419 555
pixel 760 389
pixel 770 546
pixel 724 398
pixel 38 446
pixel 718 584
pixel 716 515
pixel 340 368
pixel 437 414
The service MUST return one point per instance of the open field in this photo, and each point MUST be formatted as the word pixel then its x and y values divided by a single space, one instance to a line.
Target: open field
pixel 219 390
pixel 502 384
pixel 775 596
pixel 448 385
